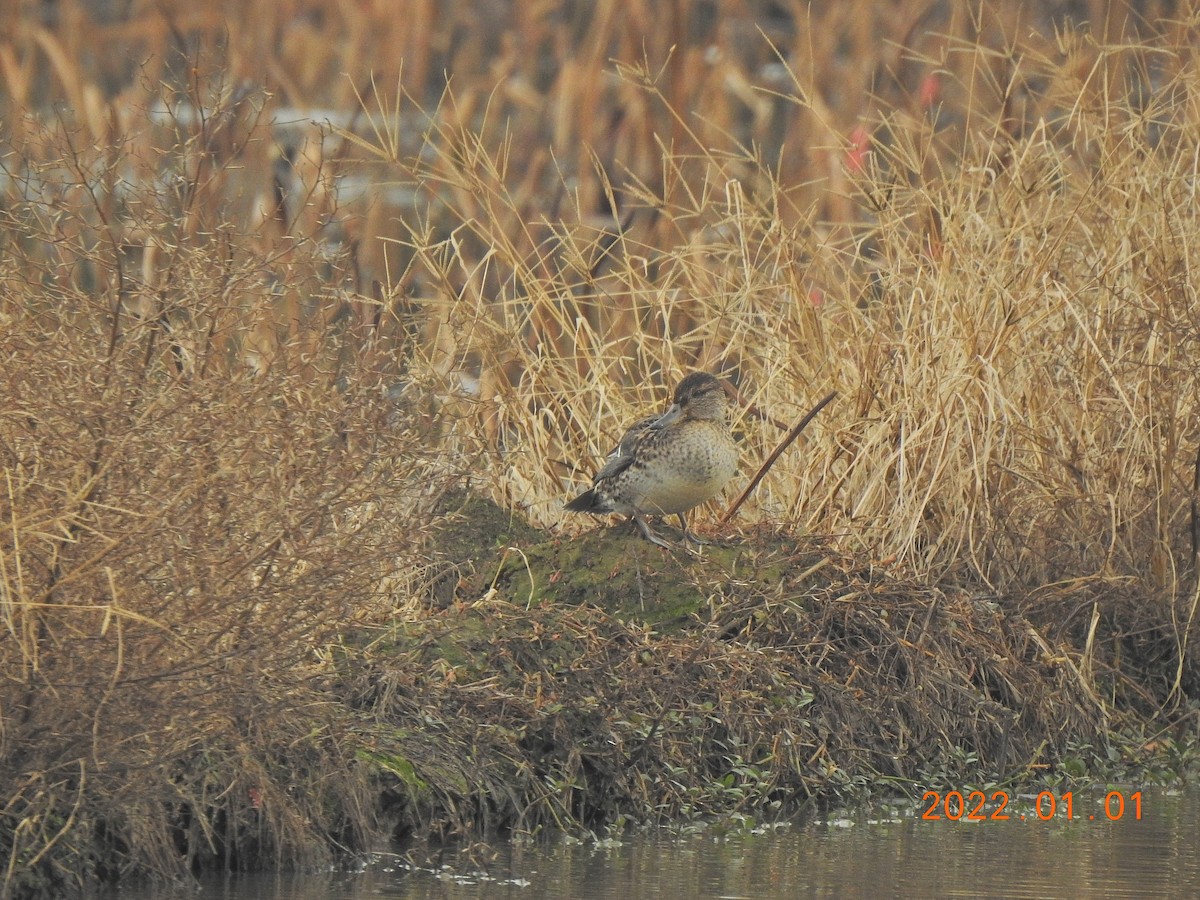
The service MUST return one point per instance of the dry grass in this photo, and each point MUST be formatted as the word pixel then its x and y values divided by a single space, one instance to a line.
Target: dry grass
pixel 245 353
pixel 999 291
pixel 183 540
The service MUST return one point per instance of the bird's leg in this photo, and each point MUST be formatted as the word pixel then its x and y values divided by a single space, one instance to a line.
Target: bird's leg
pixel 648 534
pixel 687 534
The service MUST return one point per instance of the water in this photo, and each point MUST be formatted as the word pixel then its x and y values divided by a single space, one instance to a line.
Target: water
pixel 893 854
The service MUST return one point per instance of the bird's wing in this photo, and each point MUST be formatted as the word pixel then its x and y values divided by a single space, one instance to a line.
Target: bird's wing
pixel 625 453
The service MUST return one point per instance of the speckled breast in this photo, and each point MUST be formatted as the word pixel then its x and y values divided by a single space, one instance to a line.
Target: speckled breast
pixel 694 467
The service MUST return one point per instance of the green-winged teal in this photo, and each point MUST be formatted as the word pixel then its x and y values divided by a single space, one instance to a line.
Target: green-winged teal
pixel 668 463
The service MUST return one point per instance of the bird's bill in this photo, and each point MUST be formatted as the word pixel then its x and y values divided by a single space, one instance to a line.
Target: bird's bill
pixel 667 418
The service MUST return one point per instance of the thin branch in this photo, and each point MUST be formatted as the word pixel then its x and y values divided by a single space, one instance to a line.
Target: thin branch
pixel 775 454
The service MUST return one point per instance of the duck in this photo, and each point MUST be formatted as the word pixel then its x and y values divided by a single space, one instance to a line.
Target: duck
pixel 668 463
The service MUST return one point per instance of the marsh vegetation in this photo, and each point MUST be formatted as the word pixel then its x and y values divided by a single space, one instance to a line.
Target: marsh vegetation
pixel 313 315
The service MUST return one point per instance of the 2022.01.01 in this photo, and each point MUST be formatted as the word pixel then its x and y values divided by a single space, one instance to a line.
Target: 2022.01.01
pixel 976 806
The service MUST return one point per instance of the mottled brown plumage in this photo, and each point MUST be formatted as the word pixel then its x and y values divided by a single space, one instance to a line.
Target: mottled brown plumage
pixel 667 464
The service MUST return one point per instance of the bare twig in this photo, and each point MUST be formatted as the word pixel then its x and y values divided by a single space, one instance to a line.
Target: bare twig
pixel 775 454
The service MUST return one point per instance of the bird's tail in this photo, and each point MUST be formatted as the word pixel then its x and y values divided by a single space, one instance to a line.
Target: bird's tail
pixel 586 502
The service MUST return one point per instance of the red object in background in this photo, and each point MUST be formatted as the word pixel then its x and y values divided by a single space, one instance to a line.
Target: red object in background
pixel 860 146
pixel 930 91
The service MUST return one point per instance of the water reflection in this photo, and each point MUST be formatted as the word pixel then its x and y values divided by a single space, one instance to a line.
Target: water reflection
pixel 893 855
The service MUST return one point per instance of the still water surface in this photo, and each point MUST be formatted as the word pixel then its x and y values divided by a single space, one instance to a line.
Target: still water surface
pixel 893 854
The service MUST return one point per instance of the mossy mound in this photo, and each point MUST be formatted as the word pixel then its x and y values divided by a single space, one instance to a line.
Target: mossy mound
pixel 600 679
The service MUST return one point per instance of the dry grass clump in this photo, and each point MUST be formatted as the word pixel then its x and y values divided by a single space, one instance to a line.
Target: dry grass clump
pixel 184 534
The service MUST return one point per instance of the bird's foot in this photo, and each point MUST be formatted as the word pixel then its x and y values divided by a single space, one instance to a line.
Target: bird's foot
pixel 650 535
pixel 689 535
